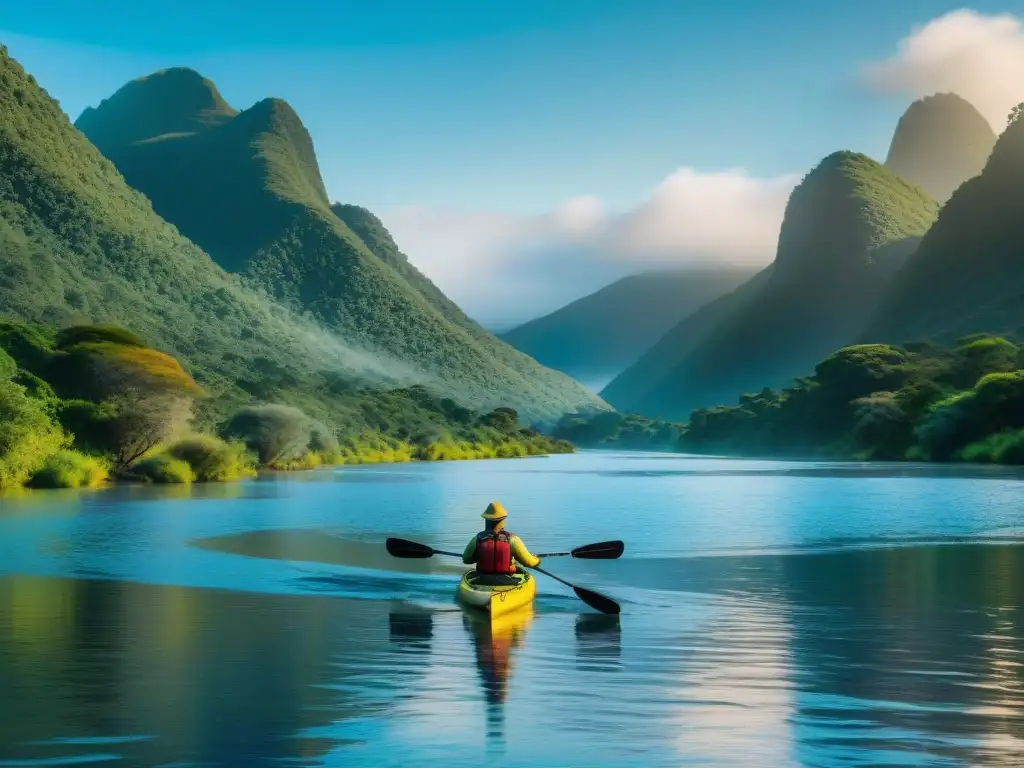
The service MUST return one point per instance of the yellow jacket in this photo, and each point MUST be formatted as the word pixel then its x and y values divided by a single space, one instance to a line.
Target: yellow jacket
pixel 519 552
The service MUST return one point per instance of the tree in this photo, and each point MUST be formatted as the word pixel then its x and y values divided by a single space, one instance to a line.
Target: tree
pixel 1015 114
pixel 275 432
pixel 502 418
pixel 152 396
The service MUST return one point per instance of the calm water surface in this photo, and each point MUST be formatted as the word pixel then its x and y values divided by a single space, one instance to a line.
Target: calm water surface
pixel 773 615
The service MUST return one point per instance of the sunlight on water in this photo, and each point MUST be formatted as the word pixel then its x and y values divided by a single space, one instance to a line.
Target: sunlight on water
pixel 773 614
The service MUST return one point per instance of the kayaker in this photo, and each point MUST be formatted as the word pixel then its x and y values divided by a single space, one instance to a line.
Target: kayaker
pixel 494 550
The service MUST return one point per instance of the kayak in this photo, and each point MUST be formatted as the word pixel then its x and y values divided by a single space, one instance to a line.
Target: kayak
pixel 497 600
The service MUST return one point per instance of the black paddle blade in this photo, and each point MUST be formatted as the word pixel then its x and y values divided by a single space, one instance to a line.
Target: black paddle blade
pixel 603 550
pixel 408 549
pixel 597 601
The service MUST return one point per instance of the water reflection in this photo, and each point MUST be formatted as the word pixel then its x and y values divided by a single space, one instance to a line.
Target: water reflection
pixel 163 675
pixel 494 645
pixel 598 642
pixel 411 630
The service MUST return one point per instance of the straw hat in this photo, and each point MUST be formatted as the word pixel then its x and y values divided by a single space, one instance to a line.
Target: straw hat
pixel 494 511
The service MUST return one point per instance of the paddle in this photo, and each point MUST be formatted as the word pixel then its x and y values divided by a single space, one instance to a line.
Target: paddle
pixel 412 549
pixel 595 600
pixel 603 550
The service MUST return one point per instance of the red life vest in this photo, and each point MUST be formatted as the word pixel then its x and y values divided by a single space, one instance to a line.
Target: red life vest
pixel 494 553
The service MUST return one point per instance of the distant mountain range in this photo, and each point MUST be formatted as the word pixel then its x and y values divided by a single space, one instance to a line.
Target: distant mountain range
pixel 237 262
pixel 595 338
pixel 847 229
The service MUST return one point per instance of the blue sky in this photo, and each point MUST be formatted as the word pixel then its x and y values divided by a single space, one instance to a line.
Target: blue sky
pixel 468 125
pixel 505 105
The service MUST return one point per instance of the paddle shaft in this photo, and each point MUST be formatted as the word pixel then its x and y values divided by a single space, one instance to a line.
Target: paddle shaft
pixel 450 554
pixel 552 576
pixel 602 550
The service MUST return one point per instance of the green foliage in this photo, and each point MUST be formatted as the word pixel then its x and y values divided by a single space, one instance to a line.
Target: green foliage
pixel 1006 447
pixel 8 367
pixel 213 460
pixel 90 424
pixel 31 346
pixel 993 405
pixel 615 430
pixel 858 371
pixel 979 355
pixel 28 437
pixel 163 469
pixel 869 401
pixel 70 469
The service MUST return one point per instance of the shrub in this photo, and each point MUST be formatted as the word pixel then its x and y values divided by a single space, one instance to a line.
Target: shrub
pixel 511 450
pixel 324 444
pixel 163 469
pixel 27 436
pixel 276 433
pixel 70 469
pixel 211 459
pixel 1006 447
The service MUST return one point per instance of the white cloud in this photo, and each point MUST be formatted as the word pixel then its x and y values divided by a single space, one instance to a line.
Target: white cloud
pixel 504 269
pixel 978 56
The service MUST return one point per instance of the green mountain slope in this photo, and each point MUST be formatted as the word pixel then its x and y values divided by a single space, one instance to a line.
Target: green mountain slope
pixel 628 392
pixel 596 337
pixel 245 186
pixel 940 142
pixel 967 276
pixel 375 236
pixel 77 244
pixel 848 227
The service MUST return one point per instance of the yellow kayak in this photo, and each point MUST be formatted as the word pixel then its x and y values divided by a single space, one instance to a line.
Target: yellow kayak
pixel 495 598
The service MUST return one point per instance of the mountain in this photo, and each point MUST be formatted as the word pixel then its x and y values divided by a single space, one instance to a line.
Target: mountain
pixel 941 141
pixel 967 276
pixel 78 245
pixel 245 186
pixel 629 391
pixel 848 227
pixel 598 336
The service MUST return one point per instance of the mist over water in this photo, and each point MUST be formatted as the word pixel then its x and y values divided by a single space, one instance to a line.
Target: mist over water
pixel 773 615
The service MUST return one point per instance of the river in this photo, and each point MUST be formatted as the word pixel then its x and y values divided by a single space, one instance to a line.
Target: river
pixel 773 614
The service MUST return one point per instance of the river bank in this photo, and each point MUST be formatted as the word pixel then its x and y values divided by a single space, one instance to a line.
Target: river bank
pixel 87 405
pixel 868 402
